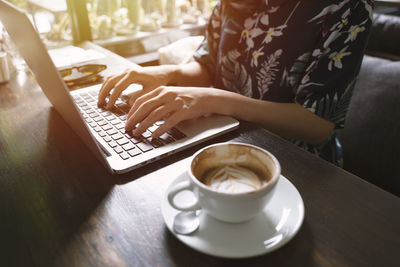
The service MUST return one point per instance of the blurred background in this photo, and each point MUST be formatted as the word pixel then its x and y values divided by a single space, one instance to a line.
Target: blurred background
pixel 119 25
pixel 134 29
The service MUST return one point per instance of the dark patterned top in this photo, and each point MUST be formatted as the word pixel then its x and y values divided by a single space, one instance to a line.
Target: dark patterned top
pixel 302 51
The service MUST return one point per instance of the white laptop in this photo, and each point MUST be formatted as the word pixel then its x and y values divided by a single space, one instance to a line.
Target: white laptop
pixel 102 131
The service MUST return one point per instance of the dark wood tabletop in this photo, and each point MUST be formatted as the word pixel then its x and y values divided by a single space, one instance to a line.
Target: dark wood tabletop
pixel 60 207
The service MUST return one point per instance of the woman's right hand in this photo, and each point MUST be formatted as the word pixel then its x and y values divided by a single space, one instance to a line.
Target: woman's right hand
pixel 148 77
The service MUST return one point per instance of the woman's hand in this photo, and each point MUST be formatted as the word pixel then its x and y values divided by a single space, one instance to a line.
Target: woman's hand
pixel 148 77
pixel 172 104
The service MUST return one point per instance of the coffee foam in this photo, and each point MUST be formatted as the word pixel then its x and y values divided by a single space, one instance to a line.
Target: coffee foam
pixel 233 179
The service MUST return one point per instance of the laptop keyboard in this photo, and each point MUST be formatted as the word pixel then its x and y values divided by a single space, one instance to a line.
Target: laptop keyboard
pixel 110 125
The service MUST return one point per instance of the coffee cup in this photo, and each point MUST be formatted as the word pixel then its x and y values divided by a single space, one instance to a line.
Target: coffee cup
pixel 231 182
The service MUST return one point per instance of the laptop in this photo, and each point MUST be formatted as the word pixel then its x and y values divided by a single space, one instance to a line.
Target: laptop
pixel 103 130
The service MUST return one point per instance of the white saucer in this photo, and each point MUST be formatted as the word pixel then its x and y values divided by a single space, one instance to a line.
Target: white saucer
pixel 275 226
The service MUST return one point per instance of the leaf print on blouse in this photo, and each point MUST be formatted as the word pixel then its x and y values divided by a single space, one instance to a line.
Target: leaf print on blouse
pixel 292 77
pixel 332 107
pixel 234 75
pixel 267 73
pixel 336 58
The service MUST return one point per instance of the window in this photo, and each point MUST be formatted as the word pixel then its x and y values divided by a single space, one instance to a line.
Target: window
pixel 112 23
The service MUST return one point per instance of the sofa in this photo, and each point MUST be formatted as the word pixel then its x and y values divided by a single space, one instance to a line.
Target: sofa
pixel 371 136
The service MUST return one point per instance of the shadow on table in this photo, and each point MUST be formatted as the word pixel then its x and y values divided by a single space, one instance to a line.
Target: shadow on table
pixel 299 251
pixel 57 188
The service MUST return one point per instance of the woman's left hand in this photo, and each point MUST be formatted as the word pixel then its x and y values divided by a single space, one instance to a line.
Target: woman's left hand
pixel 171 104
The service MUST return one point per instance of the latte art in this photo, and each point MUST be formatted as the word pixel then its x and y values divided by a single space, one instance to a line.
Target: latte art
pixel 233 179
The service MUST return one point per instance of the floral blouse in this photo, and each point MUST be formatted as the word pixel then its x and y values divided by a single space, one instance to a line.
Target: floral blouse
pixel 301 51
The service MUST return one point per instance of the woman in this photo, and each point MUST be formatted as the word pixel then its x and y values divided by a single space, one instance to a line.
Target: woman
pixel 289 65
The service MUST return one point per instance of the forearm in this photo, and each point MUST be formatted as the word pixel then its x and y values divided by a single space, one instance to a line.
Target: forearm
pixel 288 120
pixel 190 74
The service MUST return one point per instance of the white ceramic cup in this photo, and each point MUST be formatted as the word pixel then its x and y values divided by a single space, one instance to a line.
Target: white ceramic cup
pixel 227 206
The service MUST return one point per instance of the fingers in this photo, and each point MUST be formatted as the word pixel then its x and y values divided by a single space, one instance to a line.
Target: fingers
pixel 116 83
pixel 119 86
pixel 106 88
pixel 172 121
pixel 156 115
pixel 142 113
pixel 138 102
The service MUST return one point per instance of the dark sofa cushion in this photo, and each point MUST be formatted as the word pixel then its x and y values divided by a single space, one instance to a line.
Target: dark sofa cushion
pixel 385 36
pixel 371 137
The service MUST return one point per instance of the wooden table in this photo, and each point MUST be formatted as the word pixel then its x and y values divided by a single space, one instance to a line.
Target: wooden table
pixel 59 206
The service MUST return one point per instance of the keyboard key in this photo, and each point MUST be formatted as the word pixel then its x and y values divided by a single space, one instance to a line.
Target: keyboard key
pixel 133 139
pixel 89 111
pixel 120 126
pixel 112 143
pixel 110 117
pixel 93 115
pixel 97 128
pixel 94 93
pixel 107 127
pixel 144 146
pixel 153 128
pixel 102 122
pixel 122 141
pixel 155 142
pixel 111 131
pixel 128 146
pixel 176 134
pixel 166 138
pixel 123 117
pixel 107 138
pixel 98 119
pixel 124 155
pixel 146 134
pixel 117 136
pixel 118 149
pixel 115 121
pixel 106 113
pixel 134 152
pixel 158 123
pixel 102 134
pixel 92 124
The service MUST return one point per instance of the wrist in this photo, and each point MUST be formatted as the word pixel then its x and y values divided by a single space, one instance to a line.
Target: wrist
pixel 223 102
pixel 172 73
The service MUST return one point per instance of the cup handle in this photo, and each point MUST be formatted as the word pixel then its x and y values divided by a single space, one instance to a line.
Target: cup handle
pixel 185 185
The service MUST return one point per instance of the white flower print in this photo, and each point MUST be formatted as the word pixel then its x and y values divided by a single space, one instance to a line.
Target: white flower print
pixel 251 27
pixel 336 29
pixel 328 10
pixel 354 31
pixel 273 32
pixel 265 19
pixel 336 58
pixel 368 7
pixel 343 22
pixel 255 55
